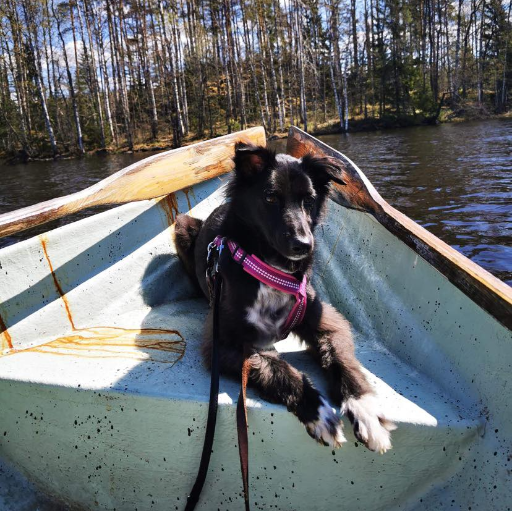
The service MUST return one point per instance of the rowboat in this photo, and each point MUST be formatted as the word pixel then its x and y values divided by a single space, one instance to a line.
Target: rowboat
pixel 103 396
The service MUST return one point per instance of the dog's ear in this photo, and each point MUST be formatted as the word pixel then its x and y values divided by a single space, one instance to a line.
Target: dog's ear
pixel 251 160
pixel 323 169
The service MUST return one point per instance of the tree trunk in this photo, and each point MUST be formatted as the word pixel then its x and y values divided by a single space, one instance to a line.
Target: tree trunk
pixel 79 140
pixel 91 70
pixel 31 30
pixel 103 72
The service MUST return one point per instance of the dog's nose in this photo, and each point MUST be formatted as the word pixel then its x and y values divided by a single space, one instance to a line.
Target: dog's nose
pixel 300 246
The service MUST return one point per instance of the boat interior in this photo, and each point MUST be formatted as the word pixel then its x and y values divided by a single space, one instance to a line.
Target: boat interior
pixel 100 360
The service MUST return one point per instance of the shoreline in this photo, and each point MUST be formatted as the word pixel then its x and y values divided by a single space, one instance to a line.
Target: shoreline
pixel 332 127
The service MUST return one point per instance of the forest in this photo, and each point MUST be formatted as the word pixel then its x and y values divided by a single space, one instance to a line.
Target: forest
pixel 94 75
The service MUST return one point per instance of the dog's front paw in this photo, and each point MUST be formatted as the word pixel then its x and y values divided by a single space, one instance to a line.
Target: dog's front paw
pixel 327 428
pixel 370 424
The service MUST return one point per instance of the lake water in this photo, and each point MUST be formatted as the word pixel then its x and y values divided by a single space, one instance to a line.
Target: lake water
pixel 453 179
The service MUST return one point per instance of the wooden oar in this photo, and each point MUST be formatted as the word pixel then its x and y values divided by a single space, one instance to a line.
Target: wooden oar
pixel 152 177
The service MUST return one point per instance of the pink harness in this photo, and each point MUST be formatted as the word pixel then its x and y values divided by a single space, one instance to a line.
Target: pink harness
pixel 273 278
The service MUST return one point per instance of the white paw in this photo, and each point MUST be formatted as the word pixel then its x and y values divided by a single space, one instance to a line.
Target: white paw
pixel 370 424
pixel 327 429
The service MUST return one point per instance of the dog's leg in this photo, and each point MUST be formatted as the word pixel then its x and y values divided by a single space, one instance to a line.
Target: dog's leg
pixel 279 382
pixel 328 334
pixel 186 231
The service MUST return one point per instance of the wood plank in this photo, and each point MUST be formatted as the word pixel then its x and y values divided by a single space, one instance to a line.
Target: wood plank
pixel 486 290
pixel 153 177
pixel 355 194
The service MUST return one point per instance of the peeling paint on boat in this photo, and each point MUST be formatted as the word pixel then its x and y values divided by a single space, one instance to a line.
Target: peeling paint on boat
pixel 160 345
pixel 5 337
pixel 171 208
pixel 62 295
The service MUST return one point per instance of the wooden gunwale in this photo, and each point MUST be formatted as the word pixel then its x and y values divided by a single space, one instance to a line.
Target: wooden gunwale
pixel 486 290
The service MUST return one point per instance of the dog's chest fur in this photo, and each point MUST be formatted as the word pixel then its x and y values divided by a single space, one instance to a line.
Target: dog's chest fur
pixel 269 312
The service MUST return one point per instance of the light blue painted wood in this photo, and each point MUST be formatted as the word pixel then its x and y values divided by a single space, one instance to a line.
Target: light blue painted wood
pixel 105 418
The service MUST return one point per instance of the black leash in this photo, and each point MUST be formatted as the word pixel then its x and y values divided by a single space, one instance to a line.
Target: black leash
pixel 214 277
pixel 213 405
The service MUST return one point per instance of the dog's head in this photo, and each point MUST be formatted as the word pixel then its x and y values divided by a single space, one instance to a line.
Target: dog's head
pixel 282 196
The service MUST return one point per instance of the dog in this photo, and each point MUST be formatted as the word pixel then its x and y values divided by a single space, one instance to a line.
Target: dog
pixel 275 202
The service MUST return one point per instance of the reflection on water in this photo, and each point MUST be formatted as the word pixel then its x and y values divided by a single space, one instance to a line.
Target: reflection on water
pixel 453 179
pixel 28 184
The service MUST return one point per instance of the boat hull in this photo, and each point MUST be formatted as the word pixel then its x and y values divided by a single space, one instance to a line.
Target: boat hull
pixel 104 396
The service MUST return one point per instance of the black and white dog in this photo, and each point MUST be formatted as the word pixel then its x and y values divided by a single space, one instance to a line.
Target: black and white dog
pixel 274 204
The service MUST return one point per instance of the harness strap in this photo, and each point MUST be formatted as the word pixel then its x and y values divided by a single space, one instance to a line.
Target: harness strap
pixel 274 278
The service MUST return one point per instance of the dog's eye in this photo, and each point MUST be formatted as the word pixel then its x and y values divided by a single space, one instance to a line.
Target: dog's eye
pixel 309 202
pixel 270 198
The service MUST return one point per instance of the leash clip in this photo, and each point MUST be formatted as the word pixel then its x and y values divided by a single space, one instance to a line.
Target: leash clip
pixel 212 263
pixel 211 269
pixel 220 248
pixel 211 246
